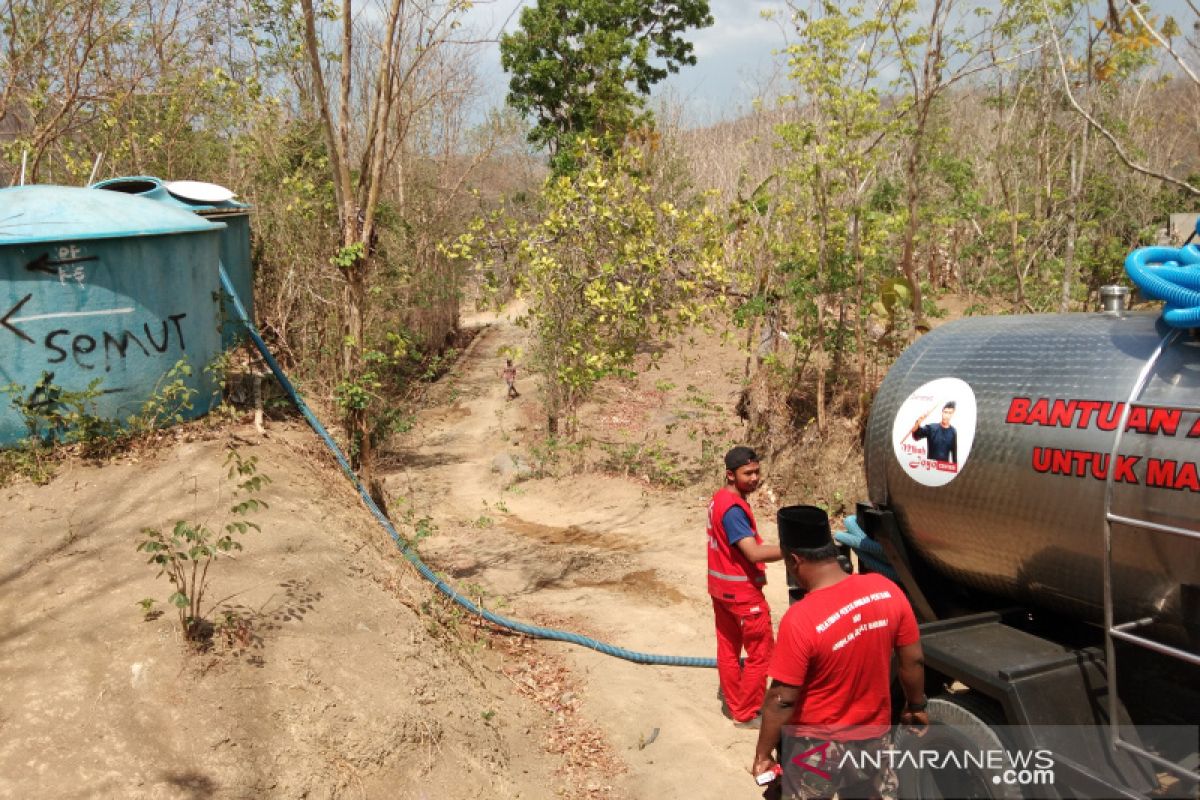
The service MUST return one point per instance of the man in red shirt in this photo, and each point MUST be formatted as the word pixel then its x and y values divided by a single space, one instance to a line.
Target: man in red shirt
pixel 831 670
pixel 737 572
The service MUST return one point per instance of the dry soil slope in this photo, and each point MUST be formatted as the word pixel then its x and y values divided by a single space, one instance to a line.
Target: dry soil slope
pixel 351 685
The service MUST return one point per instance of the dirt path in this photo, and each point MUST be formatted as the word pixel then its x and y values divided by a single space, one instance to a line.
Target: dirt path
pixel 608 557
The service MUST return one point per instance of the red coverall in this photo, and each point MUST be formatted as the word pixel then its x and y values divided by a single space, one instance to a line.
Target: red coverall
pixel 742 615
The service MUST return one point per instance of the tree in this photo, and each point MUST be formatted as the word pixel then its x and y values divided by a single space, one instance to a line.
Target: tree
pixel 830 244
pixel 608 268
pixel 1128 49
pixel 583 68
pixel 138 83
pixel 926 77
pixel 364 133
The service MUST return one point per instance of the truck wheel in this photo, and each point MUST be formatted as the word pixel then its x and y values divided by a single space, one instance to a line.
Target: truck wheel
pixel 958 724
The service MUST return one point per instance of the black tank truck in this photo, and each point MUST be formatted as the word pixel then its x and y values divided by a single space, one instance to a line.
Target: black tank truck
pixel 1053 556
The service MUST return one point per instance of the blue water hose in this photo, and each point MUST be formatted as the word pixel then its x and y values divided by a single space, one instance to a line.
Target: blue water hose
pixel 870 552
pixel 1169 274
pixel 406 550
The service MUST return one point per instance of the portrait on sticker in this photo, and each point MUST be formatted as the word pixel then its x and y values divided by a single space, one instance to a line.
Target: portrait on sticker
pixel 933 431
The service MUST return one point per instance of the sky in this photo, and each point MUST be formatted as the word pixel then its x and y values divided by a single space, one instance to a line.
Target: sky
pixel 734 57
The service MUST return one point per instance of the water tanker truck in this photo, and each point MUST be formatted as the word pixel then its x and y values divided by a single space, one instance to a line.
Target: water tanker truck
pixel 1034 487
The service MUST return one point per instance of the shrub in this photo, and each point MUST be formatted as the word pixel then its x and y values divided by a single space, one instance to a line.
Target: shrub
pixel 186 552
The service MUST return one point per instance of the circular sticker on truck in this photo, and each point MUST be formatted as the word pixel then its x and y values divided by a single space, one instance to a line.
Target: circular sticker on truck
pixel 933 431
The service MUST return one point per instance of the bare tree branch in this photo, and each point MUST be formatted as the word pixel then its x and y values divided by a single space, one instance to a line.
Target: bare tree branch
pixel 341 182
pixel 1120 151
pixel 1137 12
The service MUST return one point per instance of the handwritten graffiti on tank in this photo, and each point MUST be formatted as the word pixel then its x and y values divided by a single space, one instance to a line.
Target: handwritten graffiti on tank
pixel 116 345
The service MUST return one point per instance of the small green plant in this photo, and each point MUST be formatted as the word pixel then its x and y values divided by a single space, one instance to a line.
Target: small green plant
pixel 186 552
pixel 348 256
pixel 166 404
pixel 396 420
pixel 651 462
pixel 149 612
pixel 710 451
pixel 218 371
pixel 547 456
pixel 438 364
pixel 33 464
pixel 422 525
pixel 544 456
pixel 423 528
pixel 54 416
pixel 485 519
pixel 697 398
pixel 57 416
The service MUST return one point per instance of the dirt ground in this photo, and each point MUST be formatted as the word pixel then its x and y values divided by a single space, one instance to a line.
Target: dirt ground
pixel 343 677
pixel 340 673
pixel 619 557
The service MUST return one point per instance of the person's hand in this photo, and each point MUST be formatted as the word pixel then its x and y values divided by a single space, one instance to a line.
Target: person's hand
pixel 915 721
pixel 761 765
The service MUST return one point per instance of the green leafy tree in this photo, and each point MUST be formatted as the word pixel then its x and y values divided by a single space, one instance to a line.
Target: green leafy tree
pixel 606 270
pixel 585 67
pixel 830 242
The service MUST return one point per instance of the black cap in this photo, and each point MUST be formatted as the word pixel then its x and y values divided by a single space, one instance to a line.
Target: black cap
pixel 739 456
pixel 803 527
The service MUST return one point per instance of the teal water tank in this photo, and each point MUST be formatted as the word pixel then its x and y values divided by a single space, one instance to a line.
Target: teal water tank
pixel 215 203
pixel 104 285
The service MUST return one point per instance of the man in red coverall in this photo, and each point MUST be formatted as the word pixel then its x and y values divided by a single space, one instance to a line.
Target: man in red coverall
pixel 831 671
pixel 737 572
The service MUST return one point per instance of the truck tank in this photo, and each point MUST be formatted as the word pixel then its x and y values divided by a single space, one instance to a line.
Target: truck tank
pixel 1008 494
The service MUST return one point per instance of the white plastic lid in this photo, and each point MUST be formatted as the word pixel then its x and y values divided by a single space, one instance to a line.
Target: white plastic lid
pixel 199 191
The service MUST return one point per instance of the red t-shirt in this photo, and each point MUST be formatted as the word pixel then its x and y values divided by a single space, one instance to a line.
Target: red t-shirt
pixel 836 645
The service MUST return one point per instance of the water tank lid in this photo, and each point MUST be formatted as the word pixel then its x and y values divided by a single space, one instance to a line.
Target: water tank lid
pixel 208 199
pixel 200 192
pixel 30 214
